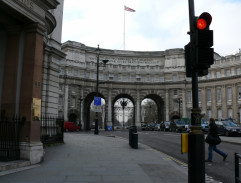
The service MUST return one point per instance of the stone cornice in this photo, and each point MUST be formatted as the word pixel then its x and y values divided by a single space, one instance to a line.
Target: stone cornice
pixel 34 11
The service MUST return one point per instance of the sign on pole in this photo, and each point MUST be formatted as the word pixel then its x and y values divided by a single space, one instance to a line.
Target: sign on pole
pixel 97 101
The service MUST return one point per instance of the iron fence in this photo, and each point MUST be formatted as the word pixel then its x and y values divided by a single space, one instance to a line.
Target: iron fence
pixel 237 157
pixel 52 130
pixel 9 139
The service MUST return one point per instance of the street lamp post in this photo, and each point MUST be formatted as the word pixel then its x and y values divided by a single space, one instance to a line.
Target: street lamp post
pixel 96 132
pixel 80 101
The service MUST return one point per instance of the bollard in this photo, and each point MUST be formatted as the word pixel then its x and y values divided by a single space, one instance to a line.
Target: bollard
pixel 236 164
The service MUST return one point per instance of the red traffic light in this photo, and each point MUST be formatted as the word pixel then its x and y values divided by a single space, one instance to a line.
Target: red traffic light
pixel 203 21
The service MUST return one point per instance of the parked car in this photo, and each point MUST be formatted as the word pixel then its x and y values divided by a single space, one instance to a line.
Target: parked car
pixel 70 127
pixel 165 126
pixel 228 128
pixel 157 127
pixel 205 125
pixel 177 126
pixel 152 126
pixel 144 127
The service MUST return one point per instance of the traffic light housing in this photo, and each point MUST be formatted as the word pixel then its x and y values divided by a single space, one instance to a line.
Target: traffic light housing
pixel 199 55
pixel 203 42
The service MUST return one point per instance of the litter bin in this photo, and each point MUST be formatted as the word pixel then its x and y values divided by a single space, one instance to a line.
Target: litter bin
pixel 133 137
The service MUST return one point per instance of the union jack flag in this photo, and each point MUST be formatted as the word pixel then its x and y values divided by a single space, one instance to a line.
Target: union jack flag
pixel 129 9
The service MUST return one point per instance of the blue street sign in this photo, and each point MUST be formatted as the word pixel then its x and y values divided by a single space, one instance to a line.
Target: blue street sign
pixel 97 100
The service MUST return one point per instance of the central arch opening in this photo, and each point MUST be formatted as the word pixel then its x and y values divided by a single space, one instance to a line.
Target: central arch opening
pixel 123 112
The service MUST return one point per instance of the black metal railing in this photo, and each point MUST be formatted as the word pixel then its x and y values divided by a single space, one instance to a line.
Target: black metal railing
pixel 237 175
pixel 9 139
pixel 52 130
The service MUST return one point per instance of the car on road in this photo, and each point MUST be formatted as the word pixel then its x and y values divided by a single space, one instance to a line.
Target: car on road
pixel 177 126
pixel 165 126
pixel 144 126
pixel 70 127
pixel 228 128
pixel 205 125
pixel 157 127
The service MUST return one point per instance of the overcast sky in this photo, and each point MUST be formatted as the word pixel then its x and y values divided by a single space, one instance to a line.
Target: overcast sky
pixel 156 25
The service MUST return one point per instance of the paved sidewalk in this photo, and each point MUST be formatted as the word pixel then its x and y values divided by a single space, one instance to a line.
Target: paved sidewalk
pixel 88 158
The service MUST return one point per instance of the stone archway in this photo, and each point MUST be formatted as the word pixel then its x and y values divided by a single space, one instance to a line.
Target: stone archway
pixel 160 106
pixel 86 110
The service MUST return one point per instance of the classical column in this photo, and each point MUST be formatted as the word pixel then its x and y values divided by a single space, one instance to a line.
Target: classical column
pixel 138 110
pixel 66 100
pixel 109 122
pixel 31 93
pixel 184 110
pixel 234 101
pixel 224 102
pixel 31 81
pixel 214 102
pixel 167 105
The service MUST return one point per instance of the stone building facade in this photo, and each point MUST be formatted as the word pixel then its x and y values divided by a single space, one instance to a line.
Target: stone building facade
pixel 158 75
pixel 30 50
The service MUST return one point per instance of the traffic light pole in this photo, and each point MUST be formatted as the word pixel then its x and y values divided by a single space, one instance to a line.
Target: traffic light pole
pixel 196 153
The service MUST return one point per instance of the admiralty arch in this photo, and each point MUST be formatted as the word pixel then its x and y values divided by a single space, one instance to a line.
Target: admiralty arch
pixel 137 75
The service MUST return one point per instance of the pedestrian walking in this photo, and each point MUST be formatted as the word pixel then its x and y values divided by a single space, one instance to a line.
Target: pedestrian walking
pixel 213 140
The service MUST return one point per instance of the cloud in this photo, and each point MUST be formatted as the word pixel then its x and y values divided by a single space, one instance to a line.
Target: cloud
pixel 155 26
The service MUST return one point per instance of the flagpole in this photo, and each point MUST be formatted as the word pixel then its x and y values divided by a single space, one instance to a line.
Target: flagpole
pixel 124 29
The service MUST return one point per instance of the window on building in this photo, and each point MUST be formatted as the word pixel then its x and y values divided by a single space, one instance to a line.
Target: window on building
pixel 219 95
pixel 105 77
pixel 230 113
pixel 220 114
pixel 115 77
pixel 60 100
pixel 174 77
pixel 87 74
pixel 189 96
pixel 61 87
pixel 95 76
pixel 209 96
pixel 209 114
pixel 175 93
pixel 60 114
pixel 161 78
pixel 229 92
pixel 61 71
pixel 218 75
pixel 143 79
pixel 124 78
pixel 73 101
pixel 152 79
pixel 239 92
pixel 238 71
pixel 228 73
pixel 189 114
pixel 75 72
pixel 133 78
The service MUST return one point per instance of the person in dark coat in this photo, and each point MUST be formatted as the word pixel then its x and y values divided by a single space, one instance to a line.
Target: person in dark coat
pixel 213 131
